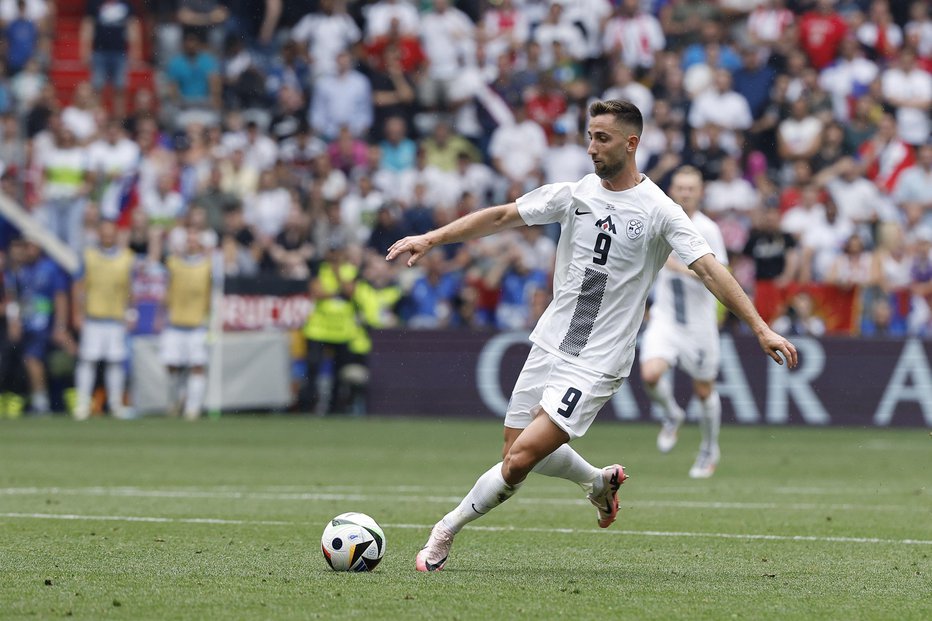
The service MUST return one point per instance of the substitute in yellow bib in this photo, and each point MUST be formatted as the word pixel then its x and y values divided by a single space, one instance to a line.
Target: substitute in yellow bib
pixel 330 328
pixel 184 340
pixel 101 303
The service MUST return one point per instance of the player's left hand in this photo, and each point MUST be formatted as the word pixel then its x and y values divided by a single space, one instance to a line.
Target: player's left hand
pixel 417 245
pixel 771 343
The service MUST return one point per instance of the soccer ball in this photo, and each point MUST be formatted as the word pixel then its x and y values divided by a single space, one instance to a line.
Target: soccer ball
pixel 353 542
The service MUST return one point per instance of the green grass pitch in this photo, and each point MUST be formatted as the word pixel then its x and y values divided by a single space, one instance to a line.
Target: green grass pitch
pixel 161 519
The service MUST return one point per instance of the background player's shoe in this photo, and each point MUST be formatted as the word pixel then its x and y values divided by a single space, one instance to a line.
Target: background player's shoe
pixel 669 431
pixel 433 556
pixel 607 501
pixel 705 465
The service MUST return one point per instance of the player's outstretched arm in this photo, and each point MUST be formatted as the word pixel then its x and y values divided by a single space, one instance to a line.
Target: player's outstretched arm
pixel 723 285
pixel 476 224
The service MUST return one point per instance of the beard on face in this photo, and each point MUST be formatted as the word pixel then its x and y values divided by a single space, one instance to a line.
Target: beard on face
pixel 609 170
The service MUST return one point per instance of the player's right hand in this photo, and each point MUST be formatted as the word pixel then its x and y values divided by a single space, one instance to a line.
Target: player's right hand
pixel 417 245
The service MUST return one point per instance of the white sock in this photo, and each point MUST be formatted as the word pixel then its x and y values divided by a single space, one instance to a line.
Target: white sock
pixel 84 376
pixel 197 388
pixel 566 463
pixel 711 421
pixel 40 402
pixel 662 394
pixel 489 491
pixel 115 379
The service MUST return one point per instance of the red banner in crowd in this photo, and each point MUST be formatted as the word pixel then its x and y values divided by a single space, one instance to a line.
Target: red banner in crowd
pixel 265 303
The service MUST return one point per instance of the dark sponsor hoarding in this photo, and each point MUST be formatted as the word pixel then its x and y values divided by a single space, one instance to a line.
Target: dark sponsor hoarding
pixel 839 381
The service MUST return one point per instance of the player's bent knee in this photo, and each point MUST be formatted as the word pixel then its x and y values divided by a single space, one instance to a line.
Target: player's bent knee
pixel 516 465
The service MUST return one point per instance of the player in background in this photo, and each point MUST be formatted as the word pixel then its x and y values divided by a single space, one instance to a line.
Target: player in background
pixel 617 230
pixel 101 296
pixel 184 340
pixel 682 330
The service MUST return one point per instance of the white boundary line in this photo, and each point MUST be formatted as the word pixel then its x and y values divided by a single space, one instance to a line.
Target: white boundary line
pixel 230 494
pixel 495 529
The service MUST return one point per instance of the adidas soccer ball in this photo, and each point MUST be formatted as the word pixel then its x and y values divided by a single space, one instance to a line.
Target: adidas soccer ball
pixel 353 542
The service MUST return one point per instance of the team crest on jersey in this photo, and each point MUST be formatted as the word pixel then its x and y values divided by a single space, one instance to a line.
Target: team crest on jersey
pixel 635 228
pixel 606 224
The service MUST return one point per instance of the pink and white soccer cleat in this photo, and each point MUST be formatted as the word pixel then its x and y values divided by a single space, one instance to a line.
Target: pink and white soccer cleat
pixel 607 501
pixel 433 556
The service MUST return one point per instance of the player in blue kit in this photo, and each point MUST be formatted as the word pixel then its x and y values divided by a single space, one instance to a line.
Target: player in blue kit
pixel 617 230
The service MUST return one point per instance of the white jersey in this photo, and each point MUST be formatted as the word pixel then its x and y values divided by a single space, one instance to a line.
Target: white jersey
pixel 611 247
pixel 683 300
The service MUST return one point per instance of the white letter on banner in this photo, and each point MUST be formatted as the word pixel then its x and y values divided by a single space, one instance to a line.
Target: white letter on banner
pixel 912 365
pixel 781 384
pixel 733 384
pixel 489 367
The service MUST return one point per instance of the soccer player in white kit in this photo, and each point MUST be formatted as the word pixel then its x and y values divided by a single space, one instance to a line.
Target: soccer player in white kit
pixel 682 330
pixel 618 229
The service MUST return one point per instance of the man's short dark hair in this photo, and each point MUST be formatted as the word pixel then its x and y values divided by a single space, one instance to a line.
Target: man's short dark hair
pixel 624 112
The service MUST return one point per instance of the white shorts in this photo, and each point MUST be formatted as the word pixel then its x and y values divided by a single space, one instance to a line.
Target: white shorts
pixel 184 347
pixel 696 353
pixel 570 395
pixel 103 340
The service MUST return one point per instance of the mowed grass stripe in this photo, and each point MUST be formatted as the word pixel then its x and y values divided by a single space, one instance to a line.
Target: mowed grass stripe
pixel 226 494
pixel 493 529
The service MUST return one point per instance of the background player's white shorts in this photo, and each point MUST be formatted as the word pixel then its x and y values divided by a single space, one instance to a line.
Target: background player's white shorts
pixel 696 353
pixel 184 348
pixel 571 395
pixel 103 340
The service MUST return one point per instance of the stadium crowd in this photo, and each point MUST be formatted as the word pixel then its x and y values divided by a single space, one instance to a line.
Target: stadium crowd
pixel 299 139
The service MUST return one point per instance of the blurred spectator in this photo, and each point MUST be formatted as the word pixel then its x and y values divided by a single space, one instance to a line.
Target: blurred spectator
pixel 517 150
pixel 907 88
pixel 382 13
pixel 799 135
pixel 913 190
pixel 730 192
pixel 881 321
pixel 393 93
pixel 776 263
pixel 193 223
pixel 37 317
pixel 800 317
pixel 853 267
pixel 110 41
pixel 64 187
pixel 919 29
pixel 858 199
pixel 920 317
pixel 625 87
pixel 565 159
pixel 753 81
pixel 396 45
pixel 557 29
pixel 848 77
pixel 359 208
pixel 326 33
pixel 632 37
pixel 398 150
pixel 268 209
pixel 386 231
pixel 879 34
pixel 822 241
pixel 195 84
pixel 885 156
pixel 164 205
pixel 243 83
pixel 22 38
pixel 288 69
pixel 712 50
pixel 432 296
pixel 806 213
pixel 344 98
pixel 254 21
pixel 504 27
pixel 205 18
pixel 893 262
pixel 720 105
pixel 448 36
pixel 82 114
pixel 26 87
pixel 768 23
pixel 236 176
pixel 682 21
pixel 292 251
pixel 821 31
pixel 443 146
pixel 861 126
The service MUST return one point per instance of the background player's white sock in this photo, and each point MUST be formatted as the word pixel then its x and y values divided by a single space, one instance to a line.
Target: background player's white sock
pixel 40 402
pixel 115 379
pixel 711 421
pixel 197 388
pixel 566 463
pixel 489 491
pixel 662 394
pixel 84 376
pixel 175 382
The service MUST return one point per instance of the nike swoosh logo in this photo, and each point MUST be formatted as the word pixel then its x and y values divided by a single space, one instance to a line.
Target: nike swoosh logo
pixel 581 213
pixel 477 510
